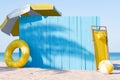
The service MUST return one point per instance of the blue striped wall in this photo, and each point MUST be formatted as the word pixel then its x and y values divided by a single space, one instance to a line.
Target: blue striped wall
pixel 59 42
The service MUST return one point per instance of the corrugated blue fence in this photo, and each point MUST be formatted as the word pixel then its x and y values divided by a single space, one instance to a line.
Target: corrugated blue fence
pixel 63 42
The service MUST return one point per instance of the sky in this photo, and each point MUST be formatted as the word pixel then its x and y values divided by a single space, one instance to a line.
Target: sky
pixel 108 10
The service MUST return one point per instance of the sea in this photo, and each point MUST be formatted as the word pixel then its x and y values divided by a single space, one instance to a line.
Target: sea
pixel 15 56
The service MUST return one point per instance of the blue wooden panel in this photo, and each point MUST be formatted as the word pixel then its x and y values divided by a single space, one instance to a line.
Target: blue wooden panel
pixel 59 42
pixel 64 43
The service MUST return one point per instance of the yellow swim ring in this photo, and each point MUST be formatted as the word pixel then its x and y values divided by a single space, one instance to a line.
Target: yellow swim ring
pixel 25 52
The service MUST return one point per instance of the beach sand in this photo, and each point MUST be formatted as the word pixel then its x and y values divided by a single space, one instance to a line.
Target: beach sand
pixel 46 74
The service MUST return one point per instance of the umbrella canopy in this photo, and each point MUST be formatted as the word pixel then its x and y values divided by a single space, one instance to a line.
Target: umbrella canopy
pixel 11 23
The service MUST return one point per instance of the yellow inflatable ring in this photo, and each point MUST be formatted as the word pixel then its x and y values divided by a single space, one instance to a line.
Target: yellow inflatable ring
pixel 25 52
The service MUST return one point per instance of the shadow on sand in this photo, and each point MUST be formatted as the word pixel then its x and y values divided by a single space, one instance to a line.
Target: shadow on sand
pixel 4 69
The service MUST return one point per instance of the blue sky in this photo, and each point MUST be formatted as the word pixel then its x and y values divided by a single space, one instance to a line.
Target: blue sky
pixel 108 10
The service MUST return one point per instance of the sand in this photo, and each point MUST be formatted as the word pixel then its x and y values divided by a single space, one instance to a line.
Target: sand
pixel 46 74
